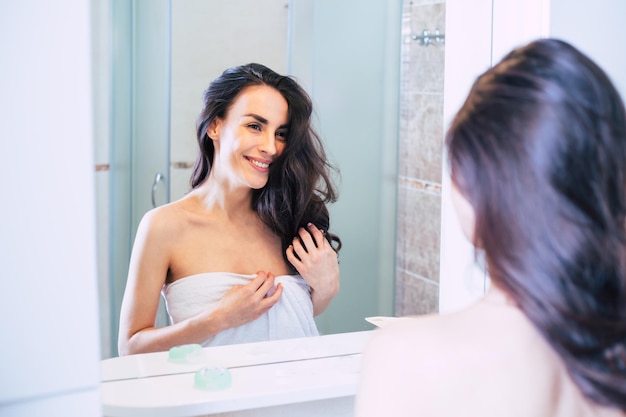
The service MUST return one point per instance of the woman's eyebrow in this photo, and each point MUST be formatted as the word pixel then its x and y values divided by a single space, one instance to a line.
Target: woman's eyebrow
pixel 263 120
pixel 257 117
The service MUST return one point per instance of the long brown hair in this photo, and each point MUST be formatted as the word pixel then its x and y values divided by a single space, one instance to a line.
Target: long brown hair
pixel 539 150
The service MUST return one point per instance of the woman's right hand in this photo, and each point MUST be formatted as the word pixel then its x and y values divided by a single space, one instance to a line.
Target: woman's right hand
pixel 245 303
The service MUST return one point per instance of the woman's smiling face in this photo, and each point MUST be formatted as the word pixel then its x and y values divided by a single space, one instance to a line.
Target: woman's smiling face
pixel 251 136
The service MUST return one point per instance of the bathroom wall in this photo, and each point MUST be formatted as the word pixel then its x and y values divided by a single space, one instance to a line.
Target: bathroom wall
pixel 568 21
pixel 205 43
pixel 468 47
pixel 348 59
pixel 49 352
pixel 419 160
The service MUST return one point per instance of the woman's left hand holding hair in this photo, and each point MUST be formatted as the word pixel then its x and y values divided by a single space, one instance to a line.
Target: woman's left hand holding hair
pixel 315 259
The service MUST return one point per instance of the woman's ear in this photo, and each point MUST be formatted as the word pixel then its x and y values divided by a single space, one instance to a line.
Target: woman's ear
pixel 213 131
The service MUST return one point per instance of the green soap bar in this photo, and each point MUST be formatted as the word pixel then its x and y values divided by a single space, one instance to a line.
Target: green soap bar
pixel 213 378
pixel 184 353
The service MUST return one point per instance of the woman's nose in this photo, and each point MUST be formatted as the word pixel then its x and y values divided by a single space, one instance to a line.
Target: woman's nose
pixel 268 144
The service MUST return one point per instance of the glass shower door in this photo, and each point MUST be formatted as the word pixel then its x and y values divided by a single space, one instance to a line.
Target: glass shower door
pixel 140 130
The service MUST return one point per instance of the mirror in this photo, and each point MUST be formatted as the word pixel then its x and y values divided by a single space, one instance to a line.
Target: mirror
pixel 165 53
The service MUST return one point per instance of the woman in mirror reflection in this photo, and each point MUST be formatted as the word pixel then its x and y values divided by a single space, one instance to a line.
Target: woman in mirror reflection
pixel 538 166
pixel 246 255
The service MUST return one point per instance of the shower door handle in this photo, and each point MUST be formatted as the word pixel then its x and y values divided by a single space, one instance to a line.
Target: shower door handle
pixel 157 179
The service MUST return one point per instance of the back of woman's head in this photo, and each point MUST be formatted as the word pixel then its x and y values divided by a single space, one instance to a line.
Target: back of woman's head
pixel 539 150
pixel 299 183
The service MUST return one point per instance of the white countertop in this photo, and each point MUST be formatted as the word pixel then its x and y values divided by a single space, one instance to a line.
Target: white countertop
pixel 264 374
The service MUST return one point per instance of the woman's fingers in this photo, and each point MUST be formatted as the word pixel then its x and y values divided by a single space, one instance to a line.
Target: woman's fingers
pixel 259 281
pixel 264 286
pixel 308 241
pixel 317 234
pixel 273 296
pixel 245 303
pixel 308 248
pixel 309 238
pixel 311 254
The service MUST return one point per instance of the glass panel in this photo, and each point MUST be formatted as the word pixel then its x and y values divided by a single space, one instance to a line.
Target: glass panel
pixel 140 129
pixel 348 56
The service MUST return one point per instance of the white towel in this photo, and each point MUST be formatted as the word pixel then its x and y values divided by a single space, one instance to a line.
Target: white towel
pixel 291 316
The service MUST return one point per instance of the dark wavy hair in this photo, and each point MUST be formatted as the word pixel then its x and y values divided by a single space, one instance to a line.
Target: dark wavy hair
pixel 539 150
pixel 300 183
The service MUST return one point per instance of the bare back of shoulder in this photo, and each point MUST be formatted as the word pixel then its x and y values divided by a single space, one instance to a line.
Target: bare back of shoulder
pixel 487 360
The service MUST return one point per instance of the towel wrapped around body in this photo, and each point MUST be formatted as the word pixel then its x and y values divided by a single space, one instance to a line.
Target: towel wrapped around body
pixel 291 316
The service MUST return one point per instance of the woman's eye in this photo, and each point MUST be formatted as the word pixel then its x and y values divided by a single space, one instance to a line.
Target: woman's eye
pixel 254 126
pixel 282 136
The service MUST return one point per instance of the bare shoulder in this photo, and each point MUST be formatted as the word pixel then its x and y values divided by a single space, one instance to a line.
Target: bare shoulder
pixel 168 219
pixel 427 344
pixel 405 368
pixel 475 362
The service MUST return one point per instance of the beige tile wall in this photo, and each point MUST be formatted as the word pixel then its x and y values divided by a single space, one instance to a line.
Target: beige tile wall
pixel 420 164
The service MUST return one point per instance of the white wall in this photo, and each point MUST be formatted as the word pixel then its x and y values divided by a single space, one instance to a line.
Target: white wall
pixel 468 53
pixel 49 351
pixel 597 29
pixel 479 33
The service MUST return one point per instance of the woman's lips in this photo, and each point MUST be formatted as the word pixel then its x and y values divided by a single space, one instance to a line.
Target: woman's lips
pixel 261 164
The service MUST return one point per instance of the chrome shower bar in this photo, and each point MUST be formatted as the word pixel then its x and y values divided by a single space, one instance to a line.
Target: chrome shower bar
pixel 430 38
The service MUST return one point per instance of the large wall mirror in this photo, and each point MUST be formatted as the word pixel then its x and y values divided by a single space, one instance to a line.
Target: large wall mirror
pixel 165 53
pixel 379 95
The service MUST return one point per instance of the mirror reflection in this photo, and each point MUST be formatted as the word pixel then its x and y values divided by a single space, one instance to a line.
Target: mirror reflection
pixel 247 254
pixel 353 62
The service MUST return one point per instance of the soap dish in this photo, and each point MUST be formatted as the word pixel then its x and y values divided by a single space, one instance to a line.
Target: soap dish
pixel 185 353
pixel 213 378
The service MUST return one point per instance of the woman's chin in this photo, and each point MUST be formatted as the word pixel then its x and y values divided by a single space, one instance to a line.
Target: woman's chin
pixel 257 185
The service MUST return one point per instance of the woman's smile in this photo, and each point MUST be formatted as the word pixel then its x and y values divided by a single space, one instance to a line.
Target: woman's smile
pixel 262 165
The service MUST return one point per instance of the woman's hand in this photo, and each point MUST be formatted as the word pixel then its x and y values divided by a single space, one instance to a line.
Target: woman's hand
pixel 245 303
pixel 315 259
